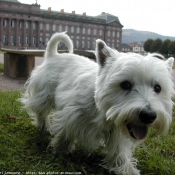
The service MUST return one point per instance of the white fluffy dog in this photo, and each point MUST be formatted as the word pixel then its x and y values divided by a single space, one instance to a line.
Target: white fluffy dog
pixel 109 104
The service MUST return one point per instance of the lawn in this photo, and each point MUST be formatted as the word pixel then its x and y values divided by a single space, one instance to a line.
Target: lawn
pixel 24 149
pixel 1 68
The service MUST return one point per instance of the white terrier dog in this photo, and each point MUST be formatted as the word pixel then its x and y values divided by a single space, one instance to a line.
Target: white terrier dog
pixel 109 104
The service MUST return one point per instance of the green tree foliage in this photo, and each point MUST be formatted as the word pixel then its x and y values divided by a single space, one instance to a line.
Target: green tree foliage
pixel 165 47
pixel 172 47
pixel 148 44
pixel 156 45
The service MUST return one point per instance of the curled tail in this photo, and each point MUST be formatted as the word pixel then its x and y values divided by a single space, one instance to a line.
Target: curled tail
pixel 55 40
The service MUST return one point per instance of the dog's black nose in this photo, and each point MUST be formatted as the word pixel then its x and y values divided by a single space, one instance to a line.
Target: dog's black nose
pixel 147 116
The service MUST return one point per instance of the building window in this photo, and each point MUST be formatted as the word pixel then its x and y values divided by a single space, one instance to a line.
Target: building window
pixel 34 41
pixel 12 23
pixel 83 44
pixel 66 28
pixel 34 25
pixel 78 29
pixel 113 45
pixel 41 39
pixel 20 40
pixel 20 24
pixel 12 40
pixel 113 33
pixel 47 40
pixel 4 39
pixel 27 40
pixel 109 32
pixel 109 42
pixel 100 32
pixel 60 28
pixel 95 31
pixel 72 29
pixel 72 37
pixel 89 31
pixel 77 44
pixel 47 27
pixel 94 43
pixel 4 23
pixel 41 26
pixel 60 45
pixel 118 34
pixel 54 27
pixel 88 44
pixel 83 30
pixel 27 24
pixel 48 35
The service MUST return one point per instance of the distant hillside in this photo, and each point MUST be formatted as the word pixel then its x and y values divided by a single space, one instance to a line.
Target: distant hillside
pixel 131 35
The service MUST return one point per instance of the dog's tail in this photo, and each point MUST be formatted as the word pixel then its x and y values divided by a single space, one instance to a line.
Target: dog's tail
pixel 55 40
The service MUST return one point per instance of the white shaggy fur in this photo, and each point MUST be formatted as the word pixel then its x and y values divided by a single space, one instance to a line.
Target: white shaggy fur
pixel 109 104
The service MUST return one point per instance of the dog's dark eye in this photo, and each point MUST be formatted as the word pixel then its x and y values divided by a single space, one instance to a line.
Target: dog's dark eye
pixel 126 85
pixel 157 88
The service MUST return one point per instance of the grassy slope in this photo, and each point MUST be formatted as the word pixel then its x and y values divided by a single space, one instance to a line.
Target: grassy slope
pixel 23 148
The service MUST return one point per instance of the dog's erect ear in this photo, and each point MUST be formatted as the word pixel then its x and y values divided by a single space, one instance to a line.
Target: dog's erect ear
pixel 103 52
pixel 169 63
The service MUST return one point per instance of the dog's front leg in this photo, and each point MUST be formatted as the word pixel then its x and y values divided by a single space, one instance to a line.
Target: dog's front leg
pixel 119 157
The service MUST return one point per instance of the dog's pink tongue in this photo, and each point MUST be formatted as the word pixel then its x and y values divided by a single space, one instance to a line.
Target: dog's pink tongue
pixel 139 132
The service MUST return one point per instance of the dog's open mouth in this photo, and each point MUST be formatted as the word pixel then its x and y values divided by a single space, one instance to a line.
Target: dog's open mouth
pixel 138 132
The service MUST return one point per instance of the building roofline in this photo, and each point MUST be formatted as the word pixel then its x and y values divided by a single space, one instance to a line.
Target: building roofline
pixel 11 1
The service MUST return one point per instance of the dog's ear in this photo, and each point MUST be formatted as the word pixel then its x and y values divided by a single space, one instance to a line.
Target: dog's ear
pixel 169 63
pixel 103 52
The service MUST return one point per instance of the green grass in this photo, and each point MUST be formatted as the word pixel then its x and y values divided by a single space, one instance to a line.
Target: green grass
pixel 174 65
pixel 2 52
pixel 1 67
pixel 23 148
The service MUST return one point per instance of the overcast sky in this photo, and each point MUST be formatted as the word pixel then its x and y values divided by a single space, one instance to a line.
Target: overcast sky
pixel 148 15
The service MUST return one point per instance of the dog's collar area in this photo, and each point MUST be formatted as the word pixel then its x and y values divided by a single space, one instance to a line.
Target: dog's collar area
pixel 137 132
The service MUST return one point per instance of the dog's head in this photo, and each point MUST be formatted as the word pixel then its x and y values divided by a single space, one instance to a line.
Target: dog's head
pixel 134 91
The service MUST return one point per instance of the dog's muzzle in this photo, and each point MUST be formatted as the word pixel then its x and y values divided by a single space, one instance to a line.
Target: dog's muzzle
pixel 146 117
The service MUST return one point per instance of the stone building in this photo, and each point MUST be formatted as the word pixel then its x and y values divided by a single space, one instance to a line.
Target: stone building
pixel 27 26
pixel 137 47
pixel 126 48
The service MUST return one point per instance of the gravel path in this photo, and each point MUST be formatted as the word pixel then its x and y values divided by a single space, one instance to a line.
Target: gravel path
pixel 7 83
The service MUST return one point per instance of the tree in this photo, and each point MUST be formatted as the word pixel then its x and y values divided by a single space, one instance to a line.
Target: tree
pixel 165 47
pixel 148 44
pixel 171 47
pixel 156 45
